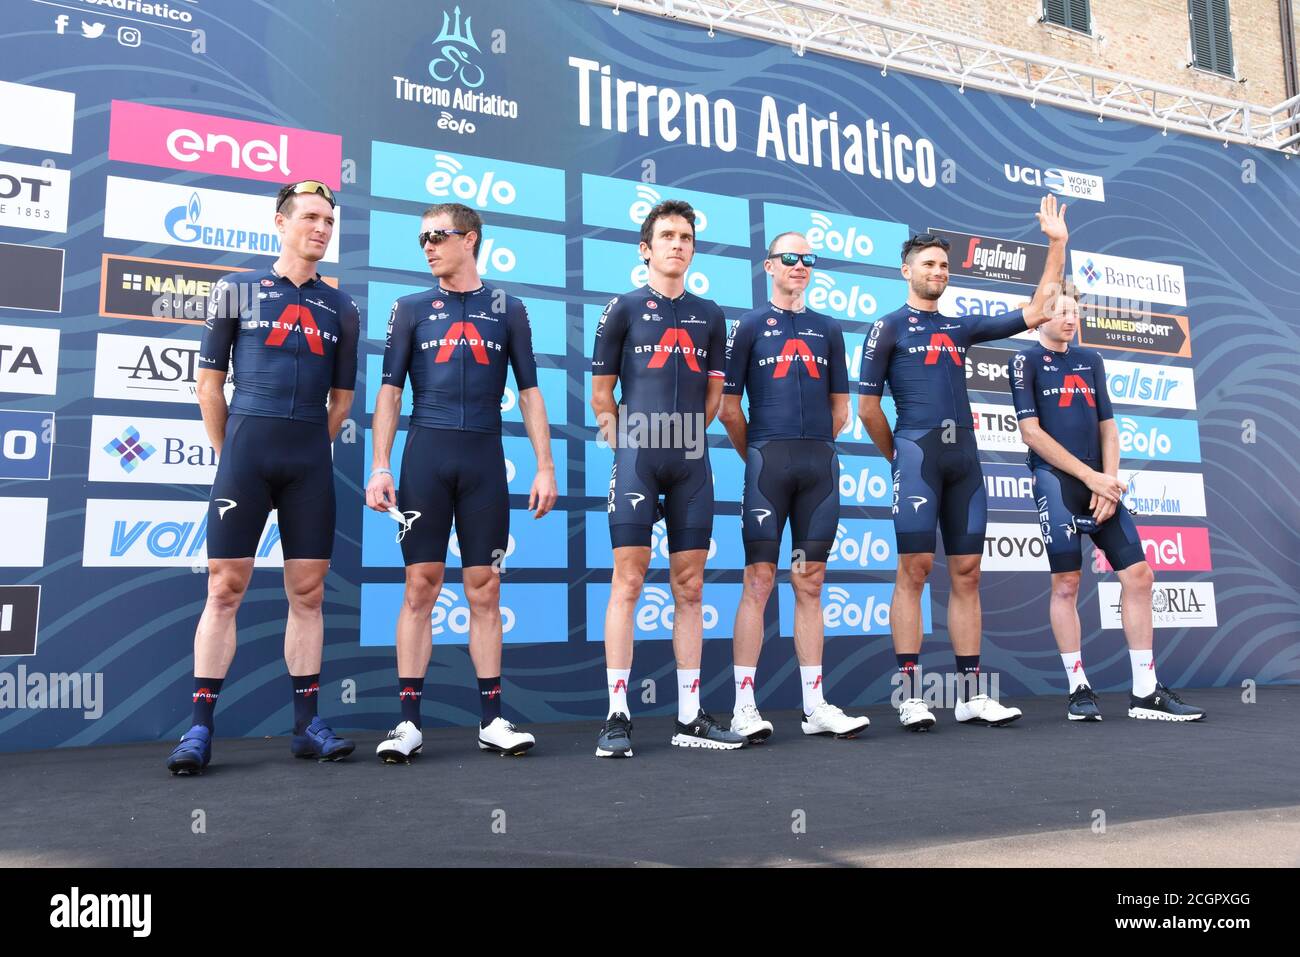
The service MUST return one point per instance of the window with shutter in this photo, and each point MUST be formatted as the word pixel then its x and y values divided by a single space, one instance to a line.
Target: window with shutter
pixel 1211 35
pixel 1074 14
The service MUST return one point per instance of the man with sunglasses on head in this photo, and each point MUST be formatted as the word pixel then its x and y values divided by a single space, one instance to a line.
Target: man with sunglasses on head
pixel 456 341
pixel 791 361
pixel 938 482
pixel 1064 412
pixel 294 343
pixel 667 349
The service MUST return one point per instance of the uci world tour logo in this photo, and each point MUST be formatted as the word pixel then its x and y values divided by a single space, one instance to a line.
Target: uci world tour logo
pixel 453 61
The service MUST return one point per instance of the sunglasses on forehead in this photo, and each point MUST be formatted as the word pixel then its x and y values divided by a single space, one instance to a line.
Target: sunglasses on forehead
pixel 789 259
pixel 925 239
pixel 308 186
pixel 436 236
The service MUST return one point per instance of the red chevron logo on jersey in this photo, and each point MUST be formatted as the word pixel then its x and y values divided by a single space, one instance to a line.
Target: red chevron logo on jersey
pixel 795 350
pixel 297 317
pixel 678 340
pixel 462 333
pixel 940 343
pixel 1075 384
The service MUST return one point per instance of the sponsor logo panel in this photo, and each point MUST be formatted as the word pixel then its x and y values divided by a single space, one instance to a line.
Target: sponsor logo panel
pixel 176 215
pixel 962 302
pixel 31 278
pixel 153 451
pixel 1120 278
pixel 865 480
pixel 837 235
pixel 146 368
pixel 29 360
pixel 149 533
pixel 1173 605
pixel 1063 182
pixel 851 297
pixel 861 544
pixel 20 612
pixel 1157 439
pixel 34 197
pixel 1164 493
pixel 23 522
pixel 506 255
pixel 1013 547
pixel 986 369
pixel 168 290
pixel 653 618
pixel 26 444
pixel 1134 330
pixel 1168 548
pixel 1154 386
pixel 1009 488
pixel 1002 260
pixel 996 429
pixel 625 203
pixel 36 118
pixel 617 268
pixel 530 614
pixel 482 183
pixel 222 146
pixel 854 609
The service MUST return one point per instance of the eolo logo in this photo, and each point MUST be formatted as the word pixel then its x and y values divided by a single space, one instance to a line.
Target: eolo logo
pixel 1072 386
pixel 796 350
pixel 675 340
pixel 940 344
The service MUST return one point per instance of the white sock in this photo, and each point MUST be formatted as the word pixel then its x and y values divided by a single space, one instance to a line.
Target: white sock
pixel 1144 672
pixel 744 686
pixel 617 679
pixel 688 694
pixel 810 681
pixel 1073 662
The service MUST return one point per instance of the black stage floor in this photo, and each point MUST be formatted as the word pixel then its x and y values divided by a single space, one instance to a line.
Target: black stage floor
pixel 1225 791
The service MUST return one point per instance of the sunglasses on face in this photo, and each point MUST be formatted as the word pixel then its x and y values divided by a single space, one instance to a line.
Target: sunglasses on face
pixel 790 259
pixel 436 236
pixel 311 186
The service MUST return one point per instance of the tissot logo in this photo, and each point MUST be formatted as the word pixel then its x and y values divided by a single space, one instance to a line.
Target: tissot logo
pixel 988 258
pixel 34 197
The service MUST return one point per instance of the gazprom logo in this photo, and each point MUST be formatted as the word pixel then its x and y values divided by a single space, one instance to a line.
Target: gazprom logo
pixel 182 222
pixel 452 62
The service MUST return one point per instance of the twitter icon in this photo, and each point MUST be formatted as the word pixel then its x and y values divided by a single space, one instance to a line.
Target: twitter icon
pixel 92 31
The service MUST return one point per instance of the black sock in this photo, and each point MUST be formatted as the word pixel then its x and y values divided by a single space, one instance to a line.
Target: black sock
pixel 306 689
pixel 908 669
pixel 968 674
pixel 206 691
pixel 410 692
pixel 489 699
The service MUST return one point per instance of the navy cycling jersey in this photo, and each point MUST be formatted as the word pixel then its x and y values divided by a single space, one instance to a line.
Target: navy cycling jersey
pixel 1066 392
pixel 791 363
pixel 922 355
pixel 291 344
pixel 455 346
pixel 664 351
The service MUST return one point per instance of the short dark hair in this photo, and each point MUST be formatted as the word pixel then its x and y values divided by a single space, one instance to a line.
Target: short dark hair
pixel 462 217
pixel 669 207
pixel 771 247
pixel 921 241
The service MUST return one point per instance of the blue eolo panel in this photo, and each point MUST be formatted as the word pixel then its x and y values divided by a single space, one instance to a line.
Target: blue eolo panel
pixel 838 235
pixel 483 184
pixel 551 382
pixel 27 444
pixel 653 618
pixel 726 549
pixel 507 254
pixel 617 268
pixel 530 614
pixel 624 204
pixel 546 317
pixel 856 609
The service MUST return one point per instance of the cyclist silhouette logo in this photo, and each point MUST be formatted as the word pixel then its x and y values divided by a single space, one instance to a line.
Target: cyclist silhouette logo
pixel 452 62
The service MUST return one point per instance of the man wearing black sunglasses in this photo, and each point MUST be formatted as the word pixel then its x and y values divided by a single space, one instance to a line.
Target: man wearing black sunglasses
pixel 294 343
pixel 456 341
pixel 938 481
pixel 1065 418
pixel 791 361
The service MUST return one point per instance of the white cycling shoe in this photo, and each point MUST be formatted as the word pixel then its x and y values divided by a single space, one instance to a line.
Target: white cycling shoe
pixel 915 716
pixel 748 722
pixel 402 742
pixel 504 738
pixel 828 719
pixel 982 709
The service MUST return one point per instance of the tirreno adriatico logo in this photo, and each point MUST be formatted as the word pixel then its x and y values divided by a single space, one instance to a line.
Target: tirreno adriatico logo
pixel 452 61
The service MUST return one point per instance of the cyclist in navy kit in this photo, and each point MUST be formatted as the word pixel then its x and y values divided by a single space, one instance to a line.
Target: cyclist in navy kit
pixel 455 341
pixel 666 347
pixel 791 362
pixel 1064 412
pixel 938 481
pixel 294 342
